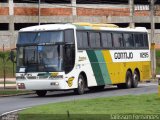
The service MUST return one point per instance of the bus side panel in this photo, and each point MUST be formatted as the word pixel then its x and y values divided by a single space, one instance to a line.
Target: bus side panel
pixel 99 68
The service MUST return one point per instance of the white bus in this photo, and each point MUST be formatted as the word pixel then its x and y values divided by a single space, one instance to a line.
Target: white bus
pixel 81 55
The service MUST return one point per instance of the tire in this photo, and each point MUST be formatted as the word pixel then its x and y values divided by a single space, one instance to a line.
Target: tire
pixel 129 80
pixel 135 79
pixel 81 85
pixel 41 93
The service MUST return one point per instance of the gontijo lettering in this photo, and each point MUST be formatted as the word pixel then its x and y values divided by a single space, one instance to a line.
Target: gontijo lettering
pixel 123 55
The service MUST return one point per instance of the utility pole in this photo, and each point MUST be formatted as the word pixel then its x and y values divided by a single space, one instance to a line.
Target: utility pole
pixel 131 8
pixel 39 11
pixel 153 56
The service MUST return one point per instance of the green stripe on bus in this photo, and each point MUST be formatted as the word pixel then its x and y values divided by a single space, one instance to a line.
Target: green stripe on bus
pixel 95 67
pixel 103 67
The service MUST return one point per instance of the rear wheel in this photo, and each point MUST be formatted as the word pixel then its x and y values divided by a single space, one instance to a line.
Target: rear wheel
pixel 128 82
pixel 135 80
pixel 41 93
pixel 81 85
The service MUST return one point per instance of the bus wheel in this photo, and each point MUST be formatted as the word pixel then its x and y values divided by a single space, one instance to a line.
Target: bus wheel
pixel 128 83
pixel 135 80
pixel 41 93
pixel 81 85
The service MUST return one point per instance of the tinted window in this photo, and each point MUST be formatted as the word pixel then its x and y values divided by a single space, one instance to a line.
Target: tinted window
pixel 145 40
pixel 69 36
pixel 94 39
pixel 128 40
pixel 138 38
pixel 106 40
pixel 82 39
pixel 117 40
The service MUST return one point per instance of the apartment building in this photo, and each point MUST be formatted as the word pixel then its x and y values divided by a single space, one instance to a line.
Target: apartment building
pixel 16 14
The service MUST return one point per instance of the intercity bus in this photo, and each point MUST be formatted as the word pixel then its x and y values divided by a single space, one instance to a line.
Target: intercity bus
pixel 81 55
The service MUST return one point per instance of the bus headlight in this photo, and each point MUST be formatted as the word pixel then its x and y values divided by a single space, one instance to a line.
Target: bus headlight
pixel 54 83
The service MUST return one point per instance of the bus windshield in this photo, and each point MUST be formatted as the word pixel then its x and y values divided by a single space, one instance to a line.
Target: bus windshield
pixel 46 51
pixel 40 58
pixel 40 37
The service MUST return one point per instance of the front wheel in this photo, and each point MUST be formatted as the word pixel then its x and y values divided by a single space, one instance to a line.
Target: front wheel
pixel 81 85
pixel 41 93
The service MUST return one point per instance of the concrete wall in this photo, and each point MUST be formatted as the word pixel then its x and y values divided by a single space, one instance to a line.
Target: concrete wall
pixel 12 13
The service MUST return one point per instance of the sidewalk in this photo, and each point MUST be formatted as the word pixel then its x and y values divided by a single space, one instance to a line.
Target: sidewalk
pixel 8 86
pixel 8 79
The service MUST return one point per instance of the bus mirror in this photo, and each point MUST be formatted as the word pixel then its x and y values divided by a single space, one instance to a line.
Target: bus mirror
pixel 12 56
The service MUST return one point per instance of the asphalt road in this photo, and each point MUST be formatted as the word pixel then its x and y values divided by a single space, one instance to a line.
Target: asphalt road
pixel 18 102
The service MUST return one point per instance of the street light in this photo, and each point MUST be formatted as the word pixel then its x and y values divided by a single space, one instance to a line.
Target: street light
pixel 153 55
pixel 39 11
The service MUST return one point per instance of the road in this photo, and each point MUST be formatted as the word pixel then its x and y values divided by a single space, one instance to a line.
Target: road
pixel 18 102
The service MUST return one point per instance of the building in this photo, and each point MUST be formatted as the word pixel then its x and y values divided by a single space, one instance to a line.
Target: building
pixel 16 14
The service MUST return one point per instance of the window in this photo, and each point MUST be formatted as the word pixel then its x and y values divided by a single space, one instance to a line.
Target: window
pixel 106 40
pixel 69 36
pixel 138 38
pixel 4 26
pixel 94 39
pixel 117 40
pixel 128 40
pixel 145 40
pixel 82 39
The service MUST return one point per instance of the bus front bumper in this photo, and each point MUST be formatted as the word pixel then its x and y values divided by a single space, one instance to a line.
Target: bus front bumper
pixel 42 85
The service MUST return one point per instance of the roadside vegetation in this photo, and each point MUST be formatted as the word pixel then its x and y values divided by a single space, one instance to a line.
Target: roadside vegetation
pixel 8 92
pixel 99 108
pixel 8 66
pixel 158 61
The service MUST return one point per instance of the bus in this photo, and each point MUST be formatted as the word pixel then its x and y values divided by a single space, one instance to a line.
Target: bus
pixel 76 56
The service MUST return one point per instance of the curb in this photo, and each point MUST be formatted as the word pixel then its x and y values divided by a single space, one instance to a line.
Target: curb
pixel 11 115
pixel 29 93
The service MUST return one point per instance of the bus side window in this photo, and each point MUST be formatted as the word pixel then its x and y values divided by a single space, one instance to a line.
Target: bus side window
pixel 69 57
pixel 94 40
pixel 145 40
pixel 117 40
pixel 128 40
pixel 138 38
pixel 106 40
pixel 82 40
pixel 69 36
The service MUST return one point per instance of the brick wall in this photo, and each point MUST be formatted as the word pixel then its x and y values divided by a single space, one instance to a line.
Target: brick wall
pixel 56 11
pixel 102 12
pixel 141 13
pixel 4 11
pixel 44 11
pixel 25 11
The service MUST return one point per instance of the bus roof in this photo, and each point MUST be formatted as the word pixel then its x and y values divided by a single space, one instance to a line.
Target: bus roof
pixel 81 26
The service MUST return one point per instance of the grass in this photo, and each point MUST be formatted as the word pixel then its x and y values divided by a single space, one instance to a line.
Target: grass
pixel 12 92
pixel 8 82
pixel 158 61
pixel 8 66
pixel 93 108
